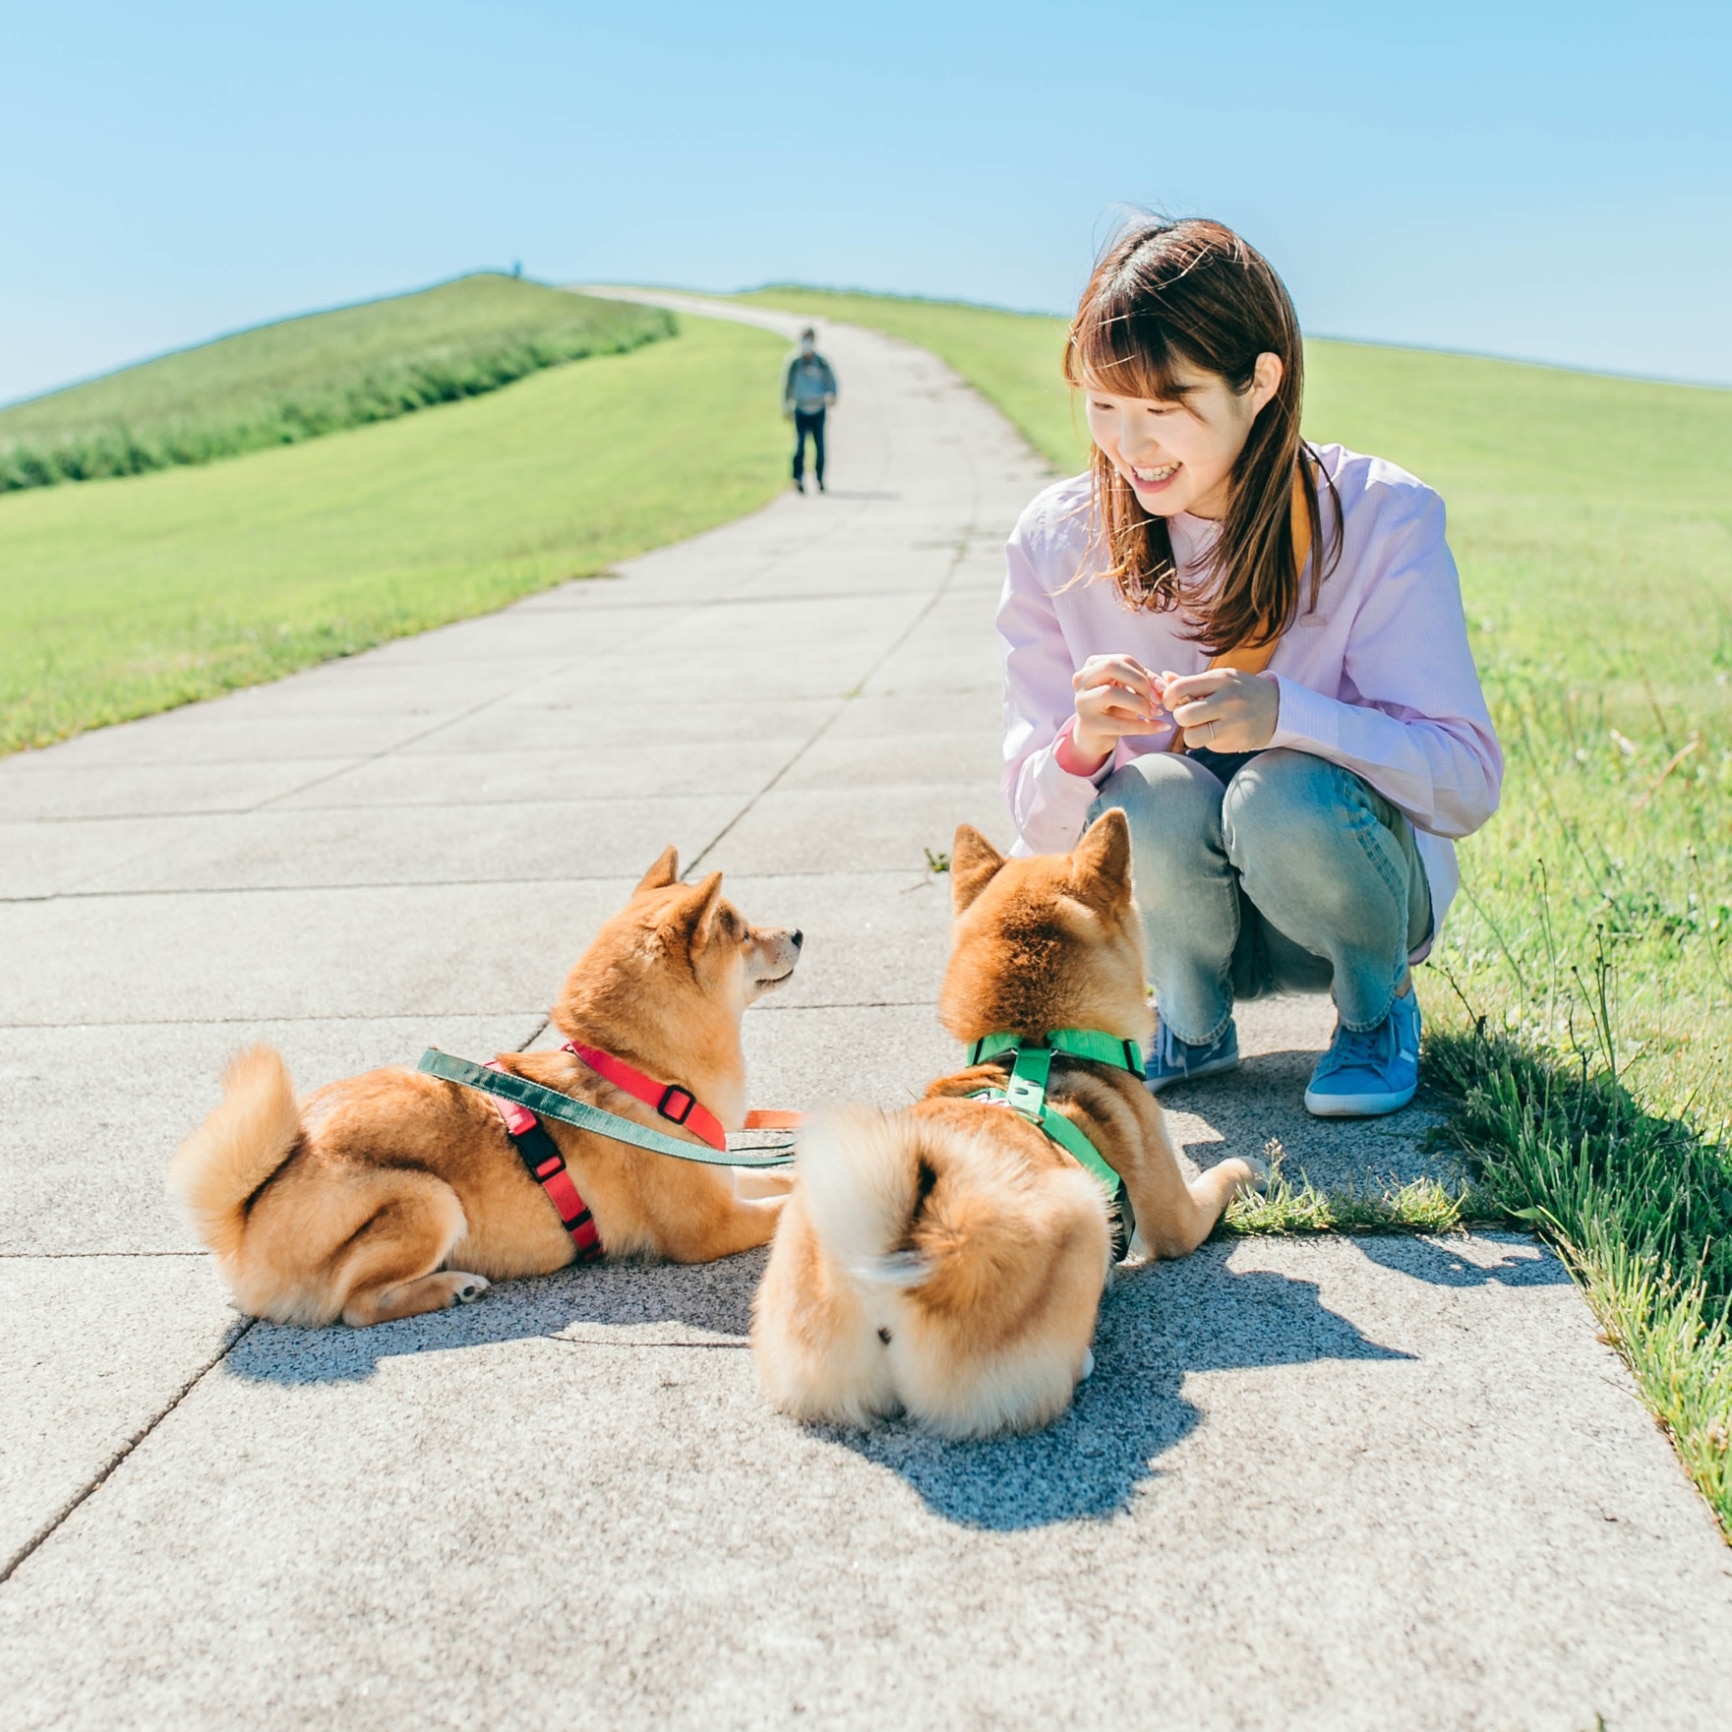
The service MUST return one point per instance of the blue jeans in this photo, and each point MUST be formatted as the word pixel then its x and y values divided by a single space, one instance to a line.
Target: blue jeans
pixel 809 422
pixel 1268 872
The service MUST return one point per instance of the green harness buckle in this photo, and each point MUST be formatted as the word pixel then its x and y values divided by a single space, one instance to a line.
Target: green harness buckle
pixel 1025 1093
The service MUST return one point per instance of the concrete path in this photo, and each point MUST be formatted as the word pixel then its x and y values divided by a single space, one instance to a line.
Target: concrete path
pixel 1333 1483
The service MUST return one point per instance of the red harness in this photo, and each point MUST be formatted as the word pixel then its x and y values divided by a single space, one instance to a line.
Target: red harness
pixel 540 1154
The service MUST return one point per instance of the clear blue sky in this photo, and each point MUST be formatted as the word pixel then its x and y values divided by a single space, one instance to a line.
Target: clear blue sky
pixel 1544 180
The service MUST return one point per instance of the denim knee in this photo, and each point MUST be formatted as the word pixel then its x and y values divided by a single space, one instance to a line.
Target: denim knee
pixel 1277 790
pixel 1173 807
pixel 1286 810
pixel 1280 801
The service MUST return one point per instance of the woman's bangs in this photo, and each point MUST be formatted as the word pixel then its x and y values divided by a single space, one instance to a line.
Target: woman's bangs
pixel 1127 354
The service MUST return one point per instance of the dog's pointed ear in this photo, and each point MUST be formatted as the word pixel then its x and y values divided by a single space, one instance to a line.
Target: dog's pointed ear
pixel 666 871
pixel 973 863
pixel 1101 861
pixel 694 912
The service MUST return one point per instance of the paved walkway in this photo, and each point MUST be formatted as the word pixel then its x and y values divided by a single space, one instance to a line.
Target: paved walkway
pixel 1335 1483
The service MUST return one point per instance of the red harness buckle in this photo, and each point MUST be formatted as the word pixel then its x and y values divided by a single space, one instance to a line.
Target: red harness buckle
pixel 680 1115
pixel 540 1155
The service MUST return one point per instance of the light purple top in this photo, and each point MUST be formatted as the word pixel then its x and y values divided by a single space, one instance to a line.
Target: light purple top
pixel 1379 679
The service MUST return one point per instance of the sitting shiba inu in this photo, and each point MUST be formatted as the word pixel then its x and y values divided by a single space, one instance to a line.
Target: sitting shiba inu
pixel 948 1260
pixel 395 1192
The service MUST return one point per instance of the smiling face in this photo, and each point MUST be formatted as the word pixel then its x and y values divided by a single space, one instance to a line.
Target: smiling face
pixel 1178 453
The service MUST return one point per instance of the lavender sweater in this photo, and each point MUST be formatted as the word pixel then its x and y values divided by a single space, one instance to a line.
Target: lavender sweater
pixel 1379 679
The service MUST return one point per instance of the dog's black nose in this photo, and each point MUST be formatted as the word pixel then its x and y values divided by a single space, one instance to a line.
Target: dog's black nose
pixel 798 936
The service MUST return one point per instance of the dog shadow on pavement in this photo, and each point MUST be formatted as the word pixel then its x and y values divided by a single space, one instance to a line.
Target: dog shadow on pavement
pixel 621 1304
pixel 1157 1325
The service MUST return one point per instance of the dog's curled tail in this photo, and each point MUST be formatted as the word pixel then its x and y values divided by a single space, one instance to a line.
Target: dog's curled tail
pixel 237 1148
pixel 865 1175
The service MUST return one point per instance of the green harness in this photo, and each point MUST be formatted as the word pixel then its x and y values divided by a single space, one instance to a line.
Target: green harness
pixel 1025 1092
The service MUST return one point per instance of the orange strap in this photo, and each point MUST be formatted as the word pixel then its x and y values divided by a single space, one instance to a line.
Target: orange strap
pixel 769 1119
pixel 1253 659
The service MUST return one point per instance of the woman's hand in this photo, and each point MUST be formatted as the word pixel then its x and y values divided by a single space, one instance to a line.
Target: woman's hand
pixel 1115 695
pixel 1223 710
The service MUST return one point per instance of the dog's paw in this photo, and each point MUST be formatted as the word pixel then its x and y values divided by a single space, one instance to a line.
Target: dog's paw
pixel 469 1288
pixel 1088 1365
pixel 1257 1175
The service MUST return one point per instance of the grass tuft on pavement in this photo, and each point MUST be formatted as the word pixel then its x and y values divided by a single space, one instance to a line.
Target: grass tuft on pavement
pixel 1415 1206
pixel 301 378
pixel 1579 1006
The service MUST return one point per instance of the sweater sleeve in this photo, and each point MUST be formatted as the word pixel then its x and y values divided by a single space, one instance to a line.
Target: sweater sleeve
pixel 1416 728
pixel 1047 803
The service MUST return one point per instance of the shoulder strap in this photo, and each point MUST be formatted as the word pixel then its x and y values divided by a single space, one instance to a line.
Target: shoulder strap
pixel 1089 1043
pixel 1254 658
pixel 1026 1090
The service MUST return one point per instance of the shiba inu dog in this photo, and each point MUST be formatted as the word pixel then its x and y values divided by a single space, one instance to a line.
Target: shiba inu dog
pixel 395 1192
pixel 948 1260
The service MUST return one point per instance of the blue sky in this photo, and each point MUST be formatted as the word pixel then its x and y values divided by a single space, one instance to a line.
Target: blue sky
pixel 1548 181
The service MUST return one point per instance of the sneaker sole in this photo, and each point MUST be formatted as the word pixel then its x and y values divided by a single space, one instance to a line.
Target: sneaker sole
pixel 1357 1106
pixel 1216 1067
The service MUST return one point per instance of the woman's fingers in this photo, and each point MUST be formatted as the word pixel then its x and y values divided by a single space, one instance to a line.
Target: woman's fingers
pixel 1234 711
pixel 1112 709
pixel 1185 688
pixel 1199 710
pixel 1108 706
pixel 1124 671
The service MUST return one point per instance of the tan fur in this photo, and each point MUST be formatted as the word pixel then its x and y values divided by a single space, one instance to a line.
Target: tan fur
pixel 948 1260
pixel 394 1193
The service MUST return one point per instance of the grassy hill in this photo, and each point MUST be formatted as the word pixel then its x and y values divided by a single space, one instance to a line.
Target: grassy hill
pixel 1581 998
pixel 124 597
pixel 299 378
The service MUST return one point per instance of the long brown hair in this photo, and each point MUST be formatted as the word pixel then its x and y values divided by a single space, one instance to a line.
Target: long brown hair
pixel 1172 297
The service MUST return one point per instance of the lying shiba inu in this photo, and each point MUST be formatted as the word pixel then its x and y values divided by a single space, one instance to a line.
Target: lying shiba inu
pixel 395 1193
pixel 948 1260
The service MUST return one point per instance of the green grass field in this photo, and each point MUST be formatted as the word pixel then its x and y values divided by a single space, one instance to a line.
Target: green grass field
pixel 300 378
pixel 1580 1004
pixel 129 596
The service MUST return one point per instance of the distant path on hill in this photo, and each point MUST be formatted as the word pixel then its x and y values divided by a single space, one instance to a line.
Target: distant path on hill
pixel 1332 1482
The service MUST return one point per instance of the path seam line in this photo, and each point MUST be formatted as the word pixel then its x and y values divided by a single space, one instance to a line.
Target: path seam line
pixel 54 1523
pixel 835 715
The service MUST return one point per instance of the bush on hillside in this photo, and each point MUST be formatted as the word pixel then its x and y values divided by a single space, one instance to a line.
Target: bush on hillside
pixel 318 400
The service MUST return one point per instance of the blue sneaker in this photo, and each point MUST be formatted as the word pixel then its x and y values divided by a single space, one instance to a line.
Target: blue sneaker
pixel 1363 1075
pixel 1172 1060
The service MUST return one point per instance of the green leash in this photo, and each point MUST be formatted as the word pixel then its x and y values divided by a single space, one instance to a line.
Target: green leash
pixel 1025 1092
pixel 551 1104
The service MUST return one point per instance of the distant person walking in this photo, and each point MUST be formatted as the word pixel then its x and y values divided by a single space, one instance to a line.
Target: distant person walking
pixel 808 389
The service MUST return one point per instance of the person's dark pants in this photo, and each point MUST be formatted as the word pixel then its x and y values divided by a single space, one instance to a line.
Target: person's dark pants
pixel 809 423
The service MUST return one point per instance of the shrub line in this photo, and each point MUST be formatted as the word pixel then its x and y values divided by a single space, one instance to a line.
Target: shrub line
pixel 418 382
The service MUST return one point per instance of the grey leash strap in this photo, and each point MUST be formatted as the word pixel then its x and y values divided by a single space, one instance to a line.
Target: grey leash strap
pixel 551 1104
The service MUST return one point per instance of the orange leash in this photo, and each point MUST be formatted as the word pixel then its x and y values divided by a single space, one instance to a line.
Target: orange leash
pixel 771 1120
